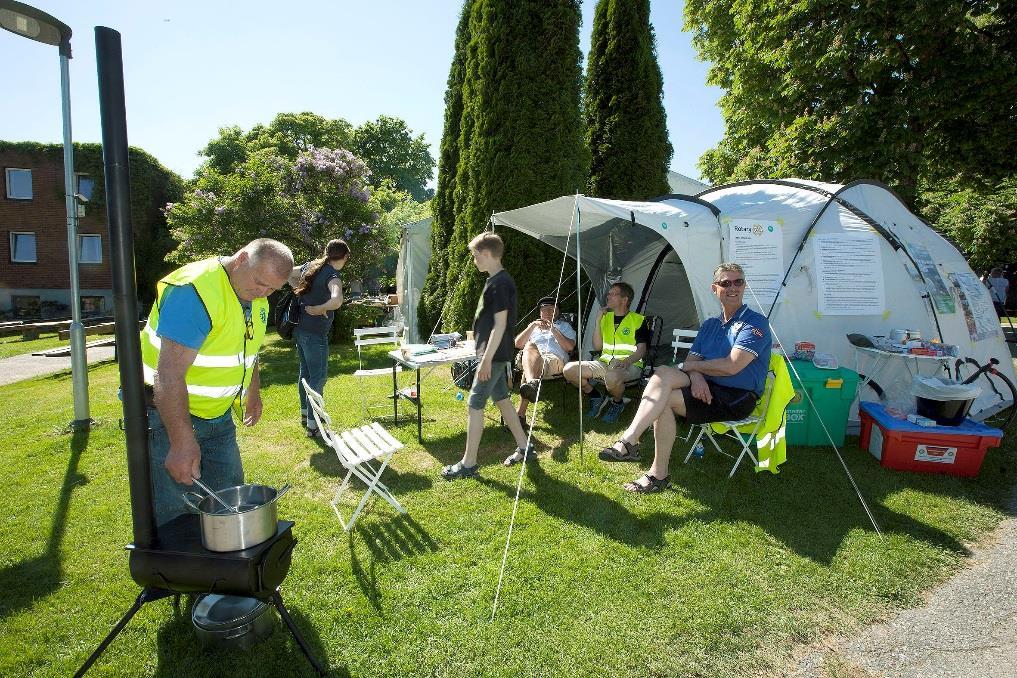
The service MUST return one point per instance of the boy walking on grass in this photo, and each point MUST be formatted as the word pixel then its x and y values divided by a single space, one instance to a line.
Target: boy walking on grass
pixel 496 314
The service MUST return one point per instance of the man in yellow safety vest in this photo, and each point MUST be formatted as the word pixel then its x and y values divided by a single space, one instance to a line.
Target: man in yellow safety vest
pixel 199 351
pixel 622 336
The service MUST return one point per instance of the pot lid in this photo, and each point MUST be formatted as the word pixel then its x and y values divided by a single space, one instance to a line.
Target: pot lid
pixel 215 612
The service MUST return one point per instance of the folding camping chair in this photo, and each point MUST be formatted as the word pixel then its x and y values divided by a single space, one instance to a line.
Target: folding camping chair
pixel 373 336
pixel 745 431
pixel 356 449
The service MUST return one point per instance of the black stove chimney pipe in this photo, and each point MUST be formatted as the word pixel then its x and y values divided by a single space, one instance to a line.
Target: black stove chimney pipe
pixel 113 114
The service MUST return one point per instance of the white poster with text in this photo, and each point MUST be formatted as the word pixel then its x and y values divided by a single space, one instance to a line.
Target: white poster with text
pixel 758 246
pixel 850 272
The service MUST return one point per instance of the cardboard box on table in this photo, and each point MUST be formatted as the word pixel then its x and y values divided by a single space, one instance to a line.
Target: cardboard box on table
pixel 901 445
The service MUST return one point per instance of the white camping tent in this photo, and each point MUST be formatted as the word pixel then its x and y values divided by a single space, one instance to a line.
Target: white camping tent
pixel 684 185
pixel 824 260
pixel 414 259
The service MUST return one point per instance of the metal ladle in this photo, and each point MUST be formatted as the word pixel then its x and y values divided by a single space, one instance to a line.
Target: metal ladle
pixel 215 496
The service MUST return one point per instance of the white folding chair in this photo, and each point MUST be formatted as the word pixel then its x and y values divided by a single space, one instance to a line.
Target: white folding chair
pixel 682 339
pixel 744 431
pixel 373 336
pixel 356 449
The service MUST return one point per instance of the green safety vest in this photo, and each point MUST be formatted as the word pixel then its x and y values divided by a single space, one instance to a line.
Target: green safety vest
pixel 223 368
pixel 620 343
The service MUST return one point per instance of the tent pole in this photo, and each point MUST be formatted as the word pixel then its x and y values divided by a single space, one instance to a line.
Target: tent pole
pixel 579 325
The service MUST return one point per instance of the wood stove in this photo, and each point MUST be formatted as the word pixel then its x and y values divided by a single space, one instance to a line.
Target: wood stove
pixel 168 560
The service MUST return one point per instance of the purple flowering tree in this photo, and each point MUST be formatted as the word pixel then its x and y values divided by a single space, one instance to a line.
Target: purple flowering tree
pixel 323 194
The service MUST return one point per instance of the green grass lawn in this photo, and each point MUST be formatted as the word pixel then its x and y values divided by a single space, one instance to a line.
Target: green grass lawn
pixel 15 345
pixel 716 577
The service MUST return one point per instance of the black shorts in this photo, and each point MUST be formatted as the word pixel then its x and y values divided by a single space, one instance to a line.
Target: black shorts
pixel 729 404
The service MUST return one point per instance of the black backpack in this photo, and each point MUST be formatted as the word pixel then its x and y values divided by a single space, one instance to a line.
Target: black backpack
pixel 287 315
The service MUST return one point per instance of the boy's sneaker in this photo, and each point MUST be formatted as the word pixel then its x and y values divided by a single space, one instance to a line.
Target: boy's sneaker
pixel 613 411
pixel 597 403
pixel 459 470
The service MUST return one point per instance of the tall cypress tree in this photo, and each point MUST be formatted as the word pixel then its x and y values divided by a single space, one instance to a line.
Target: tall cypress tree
pixel 443 206
pixel 626 126
pixel 520 139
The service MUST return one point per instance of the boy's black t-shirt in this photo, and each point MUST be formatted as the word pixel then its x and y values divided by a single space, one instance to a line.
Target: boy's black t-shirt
pixel 499 295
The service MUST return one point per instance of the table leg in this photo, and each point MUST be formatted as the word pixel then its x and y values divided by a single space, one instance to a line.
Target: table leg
pixel 395 394
pixel 420 410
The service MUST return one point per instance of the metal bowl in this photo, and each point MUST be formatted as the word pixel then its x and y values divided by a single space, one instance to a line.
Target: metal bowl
pixel 231 622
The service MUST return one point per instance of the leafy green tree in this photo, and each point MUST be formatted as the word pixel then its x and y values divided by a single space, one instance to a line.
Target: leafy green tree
pixel 443 206
pixel 393 153
pixel 981 218
pixel 902 92
pixel 386 144
pixel 520 139
pixel 626 127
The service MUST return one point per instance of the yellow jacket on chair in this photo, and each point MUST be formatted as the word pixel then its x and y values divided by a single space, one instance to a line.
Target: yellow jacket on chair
pixel 771 446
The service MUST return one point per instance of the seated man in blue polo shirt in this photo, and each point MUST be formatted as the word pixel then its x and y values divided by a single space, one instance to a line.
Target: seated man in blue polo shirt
pixel 721 380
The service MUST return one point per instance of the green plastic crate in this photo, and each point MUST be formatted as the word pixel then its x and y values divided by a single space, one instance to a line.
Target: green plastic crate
pixel 831 401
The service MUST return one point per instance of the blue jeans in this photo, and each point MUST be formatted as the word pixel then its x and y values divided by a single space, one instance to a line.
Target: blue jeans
pixel 220 462
pixel 312 351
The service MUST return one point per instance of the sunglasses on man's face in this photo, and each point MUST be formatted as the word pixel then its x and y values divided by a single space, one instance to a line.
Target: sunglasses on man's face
pixel 737 282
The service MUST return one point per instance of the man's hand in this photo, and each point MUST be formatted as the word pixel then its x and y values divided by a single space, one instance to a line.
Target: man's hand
pixel 484 370
pixel 252 412
pixel 700 389
pixel 184 461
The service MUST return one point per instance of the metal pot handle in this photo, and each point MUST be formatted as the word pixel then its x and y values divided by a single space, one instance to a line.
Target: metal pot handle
pixel 280 492
pixel 189 504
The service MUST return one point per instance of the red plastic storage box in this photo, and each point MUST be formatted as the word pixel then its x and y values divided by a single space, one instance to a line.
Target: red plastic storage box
pixel 899 444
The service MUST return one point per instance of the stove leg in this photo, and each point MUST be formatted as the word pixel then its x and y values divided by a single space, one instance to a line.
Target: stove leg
pixel 147 595
pixel 278 602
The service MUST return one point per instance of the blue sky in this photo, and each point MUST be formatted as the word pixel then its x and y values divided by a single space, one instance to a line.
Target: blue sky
pixel 192 67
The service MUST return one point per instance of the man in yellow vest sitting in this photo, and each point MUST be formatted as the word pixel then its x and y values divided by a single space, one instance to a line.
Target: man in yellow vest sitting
pixel 199 352
pixel 622 336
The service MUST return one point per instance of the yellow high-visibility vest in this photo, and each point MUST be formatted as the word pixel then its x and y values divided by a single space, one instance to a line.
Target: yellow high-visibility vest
pixel 223 368
pixel 621 342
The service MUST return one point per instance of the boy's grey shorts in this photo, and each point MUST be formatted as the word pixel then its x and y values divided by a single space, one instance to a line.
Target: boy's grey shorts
pixel 495 388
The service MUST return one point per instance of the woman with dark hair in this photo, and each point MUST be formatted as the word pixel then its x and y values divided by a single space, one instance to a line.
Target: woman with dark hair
pixel 320 291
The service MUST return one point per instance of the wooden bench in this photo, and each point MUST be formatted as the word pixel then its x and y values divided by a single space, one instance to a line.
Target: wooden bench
pixel 103 328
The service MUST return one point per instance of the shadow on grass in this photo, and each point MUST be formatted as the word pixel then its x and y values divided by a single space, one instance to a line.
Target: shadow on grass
pixel 180 653
pixel 29 580
pixel 810 506
pixel 400 537
pixel 596 511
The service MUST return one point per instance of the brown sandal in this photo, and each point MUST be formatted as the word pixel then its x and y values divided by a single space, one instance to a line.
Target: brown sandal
pixel 653 485
pixel 631 452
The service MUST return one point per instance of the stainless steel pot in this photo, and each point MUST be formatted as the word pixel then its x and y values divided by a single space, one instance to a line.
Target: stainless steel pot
pixel 252 522
pixel 230 622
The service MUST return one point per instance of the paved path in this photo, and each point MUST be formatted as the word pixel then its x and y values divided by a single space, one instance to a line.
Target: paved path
pixel 967 628
pixel 27 366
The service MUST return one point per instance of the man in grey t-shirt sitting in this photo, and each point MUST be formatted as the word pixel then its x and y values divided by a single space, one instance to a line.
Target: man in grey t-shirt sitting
pixel 545 343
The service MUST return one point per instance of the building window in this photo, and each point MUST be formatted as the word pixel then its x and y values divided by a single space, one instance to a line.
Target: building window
pixel 26 307
pixel 89 249
pixel 85 187
pixel 23 248
pixel 92 305
pixel 19 183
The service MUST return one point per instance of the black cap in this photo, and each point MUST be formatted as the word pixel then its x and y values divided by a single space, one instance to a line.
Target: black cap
pixel 546 301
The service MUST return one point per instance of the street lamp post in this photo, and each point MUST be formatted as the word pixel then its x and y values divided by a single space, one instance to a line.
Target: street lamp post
pixel 34 24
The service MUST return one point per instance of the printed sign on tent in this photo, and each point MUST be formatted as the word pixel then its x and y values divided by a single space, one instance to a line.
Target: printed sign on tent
pixel 850 272
pixel 758 246
pixel 979 313
pixel 942 300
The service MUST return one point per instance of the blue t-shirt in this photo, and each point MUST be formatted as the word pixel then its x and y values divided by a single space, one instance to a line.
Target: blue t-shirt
pixel 183 317
pixel 747 330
